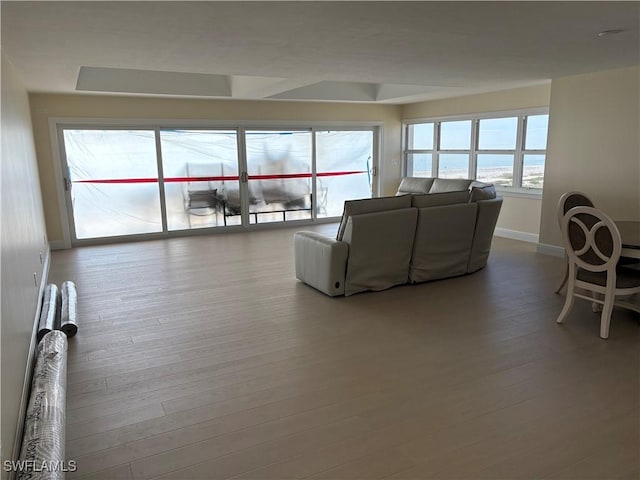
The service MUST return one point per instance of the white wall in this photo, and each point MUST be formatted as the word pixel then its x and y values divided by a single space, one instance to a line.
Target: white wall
pixel 89 106
pixel 23 241
pixel 518 215
pixel 520 218
pixel 517 98
pixel 594 136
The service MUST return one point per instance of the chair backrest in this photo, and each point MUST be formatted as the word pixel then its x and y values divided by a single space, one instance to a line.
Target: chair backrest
pixel 591 239
pixel 569 200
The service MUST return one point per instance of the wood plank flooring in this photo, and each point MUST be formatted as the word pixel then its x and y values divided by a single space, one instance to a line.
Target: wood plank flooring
pixel 204 358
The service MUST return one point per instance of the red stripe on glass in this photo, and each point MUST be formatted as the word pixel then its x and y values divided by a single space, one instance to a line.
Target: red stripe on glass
pixel 220 178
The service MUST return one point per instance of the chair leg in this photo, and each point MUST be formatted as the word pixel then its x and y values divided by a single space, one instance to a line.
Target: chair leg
pixel 564 280
pixel 596 306
pixel 568 302
pixel 568 305
pixel 605 318
pixel 571 290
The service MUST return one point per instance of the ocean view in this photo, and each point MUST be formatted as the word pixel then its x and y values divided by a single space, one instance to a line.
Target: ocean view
pixel 496 169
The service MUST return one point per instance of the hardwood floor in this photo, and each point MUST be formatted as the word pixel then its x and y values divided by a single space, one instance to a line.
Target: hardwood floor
pixel 204 357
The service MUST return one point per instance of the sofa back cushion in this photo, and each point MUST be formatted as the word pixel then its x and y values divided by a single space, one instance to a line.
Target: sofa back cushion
pixel 380 249
pixel 371 205
pixel 443 241
pixel 449 185
pixel 438 199
pixel 482 193
pixel 414 185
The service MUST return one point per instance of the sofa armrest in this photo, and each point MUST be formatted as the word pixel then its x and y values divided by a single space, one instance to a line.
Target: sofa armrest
pixel 321 262
pixel 488 212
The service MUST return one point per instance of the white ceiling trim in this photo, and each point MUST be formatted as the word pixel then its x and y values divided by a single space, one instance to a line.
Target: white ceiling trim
pixel 124 80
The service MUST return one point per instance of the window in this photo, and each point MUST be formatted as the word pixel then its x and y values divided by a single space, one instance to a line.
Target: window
pixel 199 167
pixel 114 174
pixel 497 140
pixel 279 175
pixel 344 159
pixel 508 150
pixel 535 145
pixel 455 135
pixel 152 180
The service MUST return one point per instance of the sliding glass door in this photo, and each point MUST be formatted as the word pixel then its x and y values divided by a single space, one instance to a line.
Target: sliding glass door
pixel 344 169
pixel 112 182
pixel 121 182
pixel 279 175
pixel 201 180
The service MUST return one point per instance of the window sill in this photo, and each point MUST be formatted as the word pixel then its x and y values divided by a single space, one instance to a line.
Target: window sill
pixel 532 193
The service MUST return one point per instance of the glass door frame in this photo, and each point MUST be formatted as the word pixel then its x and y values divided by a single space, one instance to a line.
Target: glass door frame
pixel 57 125
pixel 67 185
pixel 374 170
pixel 246 176
pixel 239 163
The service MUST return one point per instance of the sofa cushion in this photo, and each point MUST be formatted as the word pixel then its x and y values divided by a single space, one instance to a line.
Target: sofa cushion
pixel 414 185
pixel 443 240
pixel 449 185
pixel 482 193
pixel 438 199
pixel 476 183
pixel 380 248
pixel 371 205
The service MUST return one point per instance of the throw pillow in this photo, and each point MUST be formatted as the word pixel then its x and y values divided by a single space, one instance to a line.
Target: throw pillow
pixel 482 193
pixel 449 185
pixel 414 185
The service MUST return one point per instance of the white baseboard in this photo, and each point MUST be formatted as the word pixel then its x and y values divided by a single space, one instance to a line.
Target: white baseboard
pixel 542 248
pixel 58 245
pixel 552 250
pixel 516 235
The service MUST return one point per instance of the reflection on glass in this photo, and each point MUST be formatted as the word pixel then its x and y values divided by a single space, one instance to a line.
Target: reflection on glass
pixel 201 178
pixel 420 136
pixel 498 133
pixel 533 171
pixel 279 168
pixel 114 180
pixel 421 164
pixel 343 165
pixel 453 165
pixel 455 135
pixel 496 169
pixel 536 134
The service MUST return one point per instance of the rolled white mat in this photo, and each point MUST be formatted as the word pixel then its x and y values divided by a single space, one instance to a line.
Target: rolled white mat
pixel 48 311
pixel 68 313
pixel 42 453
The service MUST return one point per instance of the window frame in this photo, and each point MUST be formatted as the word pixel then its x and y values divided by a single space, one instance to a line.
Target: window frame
pixel 518 153
pixel 58 124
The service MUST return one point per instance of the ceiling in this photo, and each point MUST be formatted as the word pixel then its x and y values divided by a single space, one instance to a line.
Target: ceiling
pixel 385 52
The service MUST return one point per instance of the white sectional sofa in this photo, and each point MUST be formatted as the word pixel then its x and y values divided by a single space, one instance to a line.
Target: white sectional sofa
pixel 431 229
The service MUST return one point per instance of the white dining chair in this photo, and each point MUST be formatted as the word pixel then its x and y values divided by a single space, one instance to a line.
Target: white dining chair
pixel 567 201
pixel 593 245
